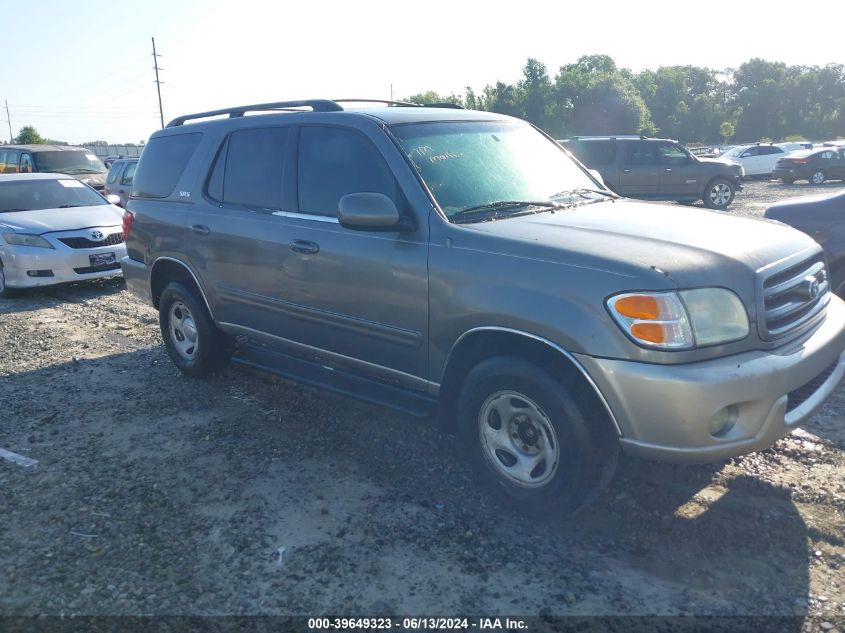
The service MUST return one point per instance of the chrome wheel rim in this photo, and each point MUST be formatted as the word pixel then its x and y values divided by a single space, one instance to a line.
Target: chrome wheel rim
pixel 183 331
pixel 818 178
pixel 720 194
pixel 518 439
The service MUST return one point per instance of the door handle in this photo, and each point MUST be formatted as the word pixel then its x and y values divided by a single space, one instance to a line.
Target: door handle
pixel 626 171
pixel 668 169
pixel 200 229
pixel 304 246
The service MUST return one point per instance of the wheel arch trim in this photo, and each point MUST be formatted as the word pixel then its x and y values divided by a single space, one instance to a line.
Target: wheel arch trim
pixel 554 347
pixel 190 272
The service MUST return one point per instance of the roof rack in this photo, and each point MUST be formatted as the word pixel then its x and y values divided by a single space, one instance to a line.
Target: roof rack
pixel 317 105
pixel 404 104
pixel 611 137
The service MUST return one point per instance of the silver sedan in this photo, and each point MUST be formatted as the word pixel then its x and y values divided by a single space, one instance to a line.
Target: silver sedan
pixel 54 229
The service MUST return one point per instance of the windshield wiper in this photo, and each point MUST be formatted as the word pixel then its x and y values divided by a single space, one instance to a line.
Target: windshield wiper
pixel 71 206
pixel 10 210
pixel 506 205
pixel 70 171
pixel 582 191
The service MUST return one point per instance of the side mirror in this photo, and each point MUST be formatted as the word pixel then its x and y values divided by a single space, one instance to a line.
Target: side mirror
pixel 369 212
pixel 113 199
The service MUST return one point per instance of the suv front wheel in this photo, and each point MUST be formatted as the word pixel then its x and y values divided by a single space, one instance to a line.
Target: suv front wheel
pixel 719 194
pixel 527 434
pixel 193 342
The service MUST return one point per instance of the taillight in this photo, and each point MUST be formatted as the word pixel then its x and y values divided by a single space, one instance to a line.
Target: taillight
pixel 127 224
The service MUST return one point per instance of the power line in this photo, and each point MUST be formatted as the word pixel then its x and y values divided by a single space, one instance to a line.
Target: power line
pixel 97 79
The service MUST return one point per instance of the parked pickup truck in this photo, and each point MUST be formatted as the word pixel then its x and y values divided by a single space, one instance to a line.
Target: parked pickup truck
pixel 461 263
pixel 658 169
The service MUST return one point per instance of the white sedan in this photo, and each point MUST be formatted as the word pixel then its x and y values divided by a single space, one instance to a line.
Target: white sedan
pixel 54 229
pixel 759 159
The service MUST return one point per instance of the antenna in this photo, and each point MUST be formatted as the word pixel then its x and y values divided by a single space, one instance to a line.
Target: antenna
pixel 158 83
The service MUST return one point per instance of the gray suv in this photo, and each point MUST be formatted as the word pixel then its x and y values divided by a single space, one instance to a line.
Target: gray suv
pixel 658 169
pixel 461 263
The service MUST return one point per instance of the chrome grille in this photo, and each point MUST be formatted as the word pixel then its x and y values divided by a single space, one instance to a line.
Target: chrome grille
pixel 794 297
pixel 84 242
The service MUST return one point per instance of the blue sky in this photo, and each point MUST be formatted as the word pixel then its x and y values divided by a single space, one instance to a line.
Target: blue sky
pixel 82 71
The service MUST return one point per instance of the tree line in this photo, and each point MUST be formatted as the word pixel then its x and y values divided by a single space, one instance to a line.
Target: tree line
pixel 759 101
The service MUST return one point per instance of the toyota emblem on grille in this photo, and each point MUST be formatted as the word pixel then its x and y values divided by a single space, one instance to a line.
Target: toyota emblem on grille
pixel 810 287
pixel 96 235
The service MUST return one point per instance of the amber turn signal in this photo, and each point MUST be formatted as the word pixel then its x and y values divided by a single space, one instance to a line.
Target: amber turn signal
pixel 638 307
pixel 650 332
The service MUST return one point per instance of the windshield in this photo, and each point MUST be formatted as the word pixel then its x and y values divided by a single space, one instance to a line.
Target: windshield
pixel 736 151
pixel 477 165
pixel 68 162
pixel 32 195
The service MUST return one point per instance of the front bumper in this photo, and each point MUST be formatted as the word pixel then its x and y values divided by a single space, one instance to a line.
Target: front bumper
pixel 663 411
pixel 57 265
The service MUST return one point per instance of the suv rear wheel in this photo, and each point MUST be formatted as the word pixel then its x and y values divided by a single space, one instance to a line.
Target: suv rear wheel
pixel 193 342
pixel 719 194
pixel 527 434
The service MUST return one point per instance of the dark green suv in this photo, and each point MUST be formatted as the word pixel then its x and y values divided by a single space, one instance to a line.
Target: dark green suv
pixel 658 169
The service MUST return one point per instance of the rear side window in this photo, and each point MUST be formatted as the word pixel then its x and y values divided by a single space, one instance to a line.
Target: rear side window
pixel 129 174
pixel 595 153
pixel 249 168
pixel 163 162
pixel 114 172
pixel 334 162
pixel 642 153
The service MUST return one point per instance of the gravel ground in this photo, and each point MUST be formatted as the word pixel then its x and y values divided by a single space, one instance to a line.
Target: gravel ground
pixel 244 494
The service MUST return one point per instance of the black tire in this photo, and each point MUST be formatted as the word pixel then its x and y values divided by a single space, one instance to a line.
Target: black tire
pixel 787 181
pixel 194 343
pixel 719 194
pixel 585 458
pixel 5 291
pixel 817 177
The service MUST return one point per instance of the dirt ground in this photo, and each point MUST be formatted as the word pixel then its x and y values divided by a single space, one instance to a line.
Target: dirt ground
pixel 245 494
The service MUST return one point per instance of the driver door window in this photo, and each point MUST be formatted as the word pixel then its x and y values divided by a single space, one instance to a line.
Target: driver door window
pixel 672 155
pixel 334 162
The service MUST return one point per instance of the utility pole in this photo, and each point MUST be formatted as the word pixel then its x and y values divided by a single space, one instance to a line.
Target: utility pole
pixel 391 92
pixel 9 121
pixel 158 83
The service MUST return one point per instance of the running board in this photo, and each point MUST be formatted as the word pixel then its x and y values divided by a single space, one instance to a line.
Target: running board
pixel 310 373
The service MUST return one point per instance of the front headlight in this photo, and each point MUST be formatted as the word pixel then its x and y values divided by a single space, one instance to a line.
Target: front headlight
pixel 680 320
pixel 24 239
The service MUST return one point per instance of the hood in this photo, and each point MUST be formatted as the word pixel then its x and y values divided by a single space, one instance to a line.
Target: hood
pixel 52 220
pixel 721 161
pixel 692 247
pixel 92 180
